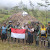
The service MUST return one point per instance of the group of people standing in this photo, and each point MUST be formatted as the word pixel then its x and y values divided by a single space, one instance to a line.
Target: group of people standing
pixel 33 33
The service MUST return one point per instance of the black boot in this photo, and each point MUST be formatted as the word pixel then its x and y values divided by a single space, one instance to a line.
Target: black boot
pixel 23 40
pixel 37 42
pixel 18 41
pixel 26 41
pixel 44 43
pixel 15 40
pixel 11 39
pixel 48 44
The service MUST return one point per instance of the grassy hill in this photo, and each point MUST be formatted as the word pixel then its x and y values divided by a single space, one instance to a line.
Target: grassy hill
pixel 3 17
pixel 41 15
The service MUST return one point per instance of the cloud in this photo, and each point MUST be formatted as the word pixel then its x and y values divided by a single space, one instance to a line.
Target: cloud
pixel 11 3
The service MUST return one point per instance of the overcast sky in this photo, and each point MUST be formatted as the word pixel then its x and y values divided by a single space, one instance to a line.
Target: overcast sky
pixel 14 2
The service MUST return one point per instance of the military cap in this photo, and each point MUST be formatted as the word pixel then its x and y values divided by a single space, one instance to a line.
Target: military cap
pixel 10 21
pixel 49 22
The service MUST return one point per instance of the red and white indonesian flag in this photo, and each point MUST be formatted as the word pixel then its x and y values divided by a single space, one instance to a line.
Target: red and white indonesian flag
pixel 18 33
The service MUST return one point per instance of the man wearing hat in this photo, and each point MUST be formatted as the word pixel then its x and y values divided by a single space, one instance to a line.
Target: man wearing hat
pixel 48 34
pixel 37 31
pixel 9 31
pixel 18 27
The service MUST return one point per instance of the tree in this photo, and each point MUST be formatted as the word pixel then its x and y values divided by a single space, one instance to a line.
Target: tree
pixel 46 5
pixel 21 5
pixel 31 4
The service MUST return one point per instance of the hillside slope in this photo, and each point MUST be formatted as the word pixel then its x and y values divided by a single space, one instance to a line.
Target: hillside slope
pixel 17 17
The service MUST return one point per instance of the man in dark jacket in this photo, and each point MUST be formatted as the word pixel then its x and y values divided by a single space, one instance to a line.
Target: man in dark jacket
pixel 37 29
pixel 9 31
pixel 48 34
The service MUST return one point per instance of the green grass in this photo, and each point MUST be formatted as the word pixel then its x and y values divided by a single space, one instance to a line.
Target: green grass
pixel 30 13
pixel 2 15
pixel 40 17
pixel 4 18
pixel 43 20
pixel 20 46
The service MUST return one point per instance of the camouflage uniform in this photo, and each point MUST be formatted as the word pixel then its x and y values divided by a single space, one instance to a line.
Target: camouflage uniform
pixel 48 35
pixel 9 32
pixel 37 32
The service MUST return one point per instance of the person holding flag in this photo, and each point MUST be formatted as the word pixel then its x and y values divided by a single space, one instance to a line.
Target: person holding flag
pixel 26 32
pixel 9 31
pixel 17 27
pixel 18 33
